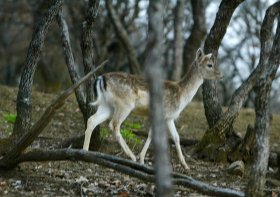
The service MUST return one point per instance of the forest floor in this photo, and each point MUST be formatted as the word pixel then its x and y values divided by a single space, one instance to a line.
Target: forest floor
pixel 75 178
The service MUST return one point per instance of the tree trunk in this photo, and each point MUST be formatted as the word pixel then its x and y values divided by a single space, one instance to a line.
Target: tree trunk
pixel 155 77
pixel 70 62
pixel 257 177
pixel 89 58
pixel 24 98
pixel 213 109
pixel 10 154
pixel 216 141
pixel 198 33
pixel 123 36
pixel 178 40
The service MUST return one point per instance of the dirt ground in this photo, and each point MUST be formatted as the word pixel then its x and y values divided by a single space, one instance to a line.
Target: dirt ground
pixel 72 178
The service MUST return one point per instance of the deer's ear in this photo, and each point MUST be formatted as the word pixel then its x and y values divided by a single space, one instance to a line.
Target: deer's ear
pixel 199 54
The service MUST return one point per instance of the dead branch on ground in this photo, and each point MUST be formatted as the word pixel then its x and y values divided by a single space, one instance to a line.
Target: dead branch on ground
pixel 125 166
pixel 25 140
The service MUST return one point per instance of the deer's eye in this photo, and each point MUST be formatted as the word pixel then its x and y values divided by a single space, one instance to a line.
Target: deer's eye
pixel 209 65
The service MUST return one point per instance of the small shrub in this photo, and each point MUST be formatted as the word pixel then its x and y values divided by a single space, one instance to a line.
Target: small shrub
pixel 104 132
pixel 126 132
pixel 9 117
pixel 132 125
pixel 130 136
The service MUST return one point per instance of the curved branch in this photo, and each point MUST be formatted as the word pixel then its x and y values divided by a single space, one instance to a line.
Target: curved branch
pixel 213 109
pixel 198 33
pixel 178 40
pixel 69 59
pixel 24 98
pixel 268 61
pixel 10 155
pixel 127 167
pixel 122 35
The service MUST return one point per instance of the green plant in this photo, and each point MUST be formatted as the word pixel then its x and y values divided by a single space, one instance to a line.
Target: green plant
pixel 9 117
pixel 104 132
pixel 126 132
pixel 132 125
pixel 130 136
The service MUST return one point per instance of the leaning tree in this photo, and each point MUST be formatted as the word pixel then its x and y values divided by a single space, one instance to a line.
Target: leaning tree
pixel 23 133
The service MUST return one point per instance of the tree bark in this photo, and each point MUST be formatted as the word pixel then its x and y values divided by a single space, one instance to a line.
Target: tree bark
pixel 219 132
pixel 213 109
pixel 155 77
pixel 123 37
pixel 89 58
pixel 257 176
pixel 70 61
pixel 9 155
pixel 178 40
pixel 198 33
pixel 24 98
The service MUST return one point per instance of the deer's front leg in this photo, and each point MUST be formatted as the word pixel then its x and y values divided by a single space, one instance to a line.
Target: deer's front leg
pixel 176 139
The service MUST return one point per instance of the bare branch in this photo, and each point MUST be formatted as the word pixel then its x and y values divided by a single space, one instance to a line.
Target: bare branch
pixel 198 33
pixel 122 35
pixel 25 140
pixel 69 59
pixel 127 167
pixel 178 40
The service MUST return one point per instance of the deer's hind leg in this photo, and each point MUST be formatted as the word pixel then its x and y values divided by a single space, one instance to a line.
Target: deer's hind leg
pixel 120 114
pixel 103 113
pixel 145 147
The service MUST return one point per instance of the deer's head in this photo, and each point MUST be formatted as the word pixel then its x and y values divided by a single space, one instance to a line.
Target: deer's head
pixel 206 65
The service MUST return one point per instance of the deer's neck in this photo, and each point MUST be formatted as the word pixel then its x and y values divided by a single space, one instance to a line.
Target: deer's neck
pixel 190 83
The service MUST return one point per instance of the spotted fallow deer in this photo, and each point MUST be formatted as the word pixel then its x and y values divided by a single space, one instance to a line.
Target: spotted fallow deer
pixel 118 94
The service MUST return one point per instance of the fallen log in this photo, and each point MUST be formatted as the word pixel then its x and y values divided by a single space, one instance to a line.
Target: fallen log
pixel 124 166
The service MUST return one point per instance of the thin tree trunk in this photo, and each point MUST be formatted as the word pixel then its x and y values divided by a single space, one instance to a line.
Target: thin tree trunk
pixel 89 58
pixel 70 62
pixel 256 183
pixel 178 40
pixel 198 33
pixel 24 98
pixel 123 36
pixel 213 109
pixel 155 77
pixel 10 154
